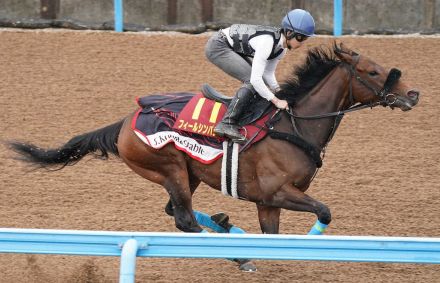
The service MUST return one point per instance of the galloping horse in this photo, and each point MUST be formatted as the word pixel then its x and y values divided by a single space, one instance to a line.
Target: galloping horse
pixel 273 173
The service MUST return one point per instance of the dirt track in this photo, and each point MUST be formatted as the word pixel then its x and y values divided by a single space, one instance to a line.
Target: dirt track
pixel 380 176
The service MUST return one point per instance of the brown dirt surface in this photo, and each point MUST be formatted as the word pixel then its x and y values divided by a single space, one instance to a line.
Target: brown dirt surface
pixel 380 175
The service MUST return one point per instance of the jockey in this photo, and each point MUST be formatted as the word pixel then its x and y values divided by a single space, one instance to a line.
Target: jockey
pixel 250 53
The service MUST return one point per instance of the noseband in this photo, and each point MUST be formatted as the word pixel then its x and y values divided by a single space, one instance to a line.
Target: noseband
pixel 386 97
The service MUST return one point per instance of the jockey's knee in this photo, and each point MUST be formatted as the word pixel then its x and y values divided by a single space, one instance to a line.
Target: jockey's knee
pixel 249 86
pixel 324 215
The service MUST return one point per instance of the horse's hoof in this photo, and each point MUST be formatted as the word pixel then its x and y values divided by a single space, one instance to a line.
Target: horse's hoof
pixel 222 219
pixel 246 265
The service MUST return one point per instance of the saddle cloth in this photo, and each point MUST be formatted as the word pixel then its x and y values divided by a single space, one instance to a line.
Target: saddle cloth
pixel 188 121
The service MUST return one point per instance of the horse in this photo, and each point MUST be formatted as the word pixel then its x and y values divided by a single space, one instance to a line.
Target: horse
pixel 274 173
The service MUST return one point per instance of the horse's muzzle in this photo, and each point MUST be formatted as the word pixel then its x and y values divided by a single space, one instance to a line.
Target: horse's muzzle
pixel 414 96
pixel 407 102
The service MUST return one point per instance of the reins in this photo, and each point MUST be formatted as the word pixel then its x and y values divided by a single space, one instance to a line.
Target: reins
pixel 333 114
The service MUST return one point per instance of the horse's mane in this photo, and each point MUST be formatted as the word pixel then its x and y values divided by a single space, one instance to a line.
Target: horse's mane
pixel 319 62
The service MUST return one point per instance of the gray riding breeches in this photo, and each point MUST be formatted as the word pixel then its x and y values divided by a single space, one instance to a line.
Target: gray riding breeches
pixel 219 52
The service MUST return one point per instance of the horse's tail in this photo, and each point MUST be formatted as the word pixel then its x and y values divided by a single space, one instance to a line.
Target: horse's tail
pixel 101 142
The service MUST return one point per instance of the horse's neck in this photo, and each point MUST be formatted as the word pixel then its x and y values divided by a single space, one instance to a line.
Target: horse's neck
pixel 329 95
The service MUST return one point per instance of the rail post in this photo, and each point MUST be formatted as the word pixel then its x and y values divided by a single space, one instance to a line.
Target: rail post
pixel 337 17
pixel 119 15
pixel 128 261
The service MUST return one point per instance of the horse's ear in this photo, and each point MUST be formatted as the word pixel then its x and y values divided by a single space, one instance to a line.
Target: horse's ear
pixel 343 53
pixel 339 48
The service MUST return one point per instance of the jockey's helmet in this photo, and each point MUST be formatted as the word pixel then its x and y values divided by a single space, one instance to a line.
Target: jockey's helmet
pixel 299 21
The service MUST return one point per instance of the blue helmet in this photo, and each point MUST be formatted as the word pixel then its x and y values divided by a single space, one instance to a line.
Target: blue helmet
pixel 299 21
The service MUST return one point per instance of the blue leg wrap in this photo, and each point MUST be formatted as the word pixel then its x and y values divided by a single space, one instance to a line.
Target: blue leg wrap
pixel 205 220
pixel 318 228
pixel 236 230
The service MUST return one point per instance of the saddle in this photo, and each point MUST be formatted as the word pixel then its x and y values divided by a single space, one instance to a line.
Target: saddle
pixel 188 121
pixel 257 108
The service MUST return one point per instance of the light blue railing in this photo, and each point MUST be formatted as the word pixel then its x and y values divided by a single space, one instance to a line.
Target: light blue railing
pixel 129 245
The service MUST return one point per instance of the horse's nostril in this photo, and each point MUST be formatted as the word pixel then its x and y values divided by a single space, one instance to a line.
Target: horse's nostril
pixel 413 94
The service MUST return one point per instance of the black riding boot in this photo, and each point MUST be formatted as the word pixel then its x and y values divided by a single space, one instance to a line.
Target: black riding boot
pixel 228 126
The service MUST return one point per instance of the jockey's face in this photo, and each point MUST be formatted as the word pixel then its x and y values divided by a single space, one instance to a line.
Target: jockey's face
pixel 293 43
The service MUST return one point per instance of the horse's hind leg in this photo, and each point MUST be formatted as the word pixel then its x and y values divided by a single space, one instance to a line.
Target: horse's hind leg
pixel 194 182
pixel 166 167
pixel 180 196
pixel 176 182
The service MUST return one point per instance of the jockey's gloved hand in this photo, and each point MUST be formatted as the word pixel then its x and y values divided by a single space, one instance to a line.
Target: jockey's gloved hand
pixel 281 104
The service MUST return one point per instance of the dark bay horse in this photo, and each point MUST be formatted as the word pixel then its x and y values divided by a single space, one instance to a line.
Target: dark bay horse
pixel 273 173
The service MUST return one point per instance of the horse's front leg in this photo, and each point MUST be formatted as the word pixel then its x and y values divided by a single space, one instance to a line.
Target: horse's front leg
pixel 269 218
pixel 291 198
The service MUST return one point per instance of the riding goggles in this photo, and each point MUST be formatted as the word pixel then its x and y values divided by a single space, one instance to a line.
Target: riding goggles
pixel 299 37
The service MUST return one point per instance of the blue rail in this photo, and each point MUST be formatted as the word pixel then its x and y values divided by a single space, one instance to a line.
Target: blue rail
pixel 281 247
pixel 119 15
pixel 337 17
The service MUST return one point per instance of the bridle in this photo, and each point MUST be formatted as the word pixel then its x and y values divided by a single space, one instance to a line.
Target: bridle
pixel 386 98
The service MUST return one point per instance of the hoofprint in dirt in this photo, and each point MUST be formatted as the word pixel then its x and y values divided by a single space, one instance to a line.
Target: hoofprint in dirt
pixel 380 174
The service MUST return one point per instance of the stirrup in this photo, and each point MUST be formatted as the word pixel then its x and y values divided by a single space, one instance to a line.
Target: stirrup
pixel 239 141
pixel 219 133
pixel 229 131
pixel 220 129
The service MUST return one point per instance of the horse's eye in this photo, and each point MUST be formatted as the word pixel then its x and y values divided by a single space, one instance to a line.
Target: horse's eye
pixel 373 73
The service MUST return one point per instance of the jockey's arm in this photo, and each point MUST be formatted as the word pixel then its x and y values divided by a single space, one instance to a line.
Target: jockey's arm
pixel 263 47
pixel 269 74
